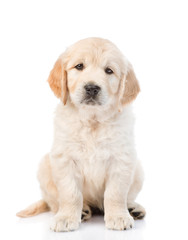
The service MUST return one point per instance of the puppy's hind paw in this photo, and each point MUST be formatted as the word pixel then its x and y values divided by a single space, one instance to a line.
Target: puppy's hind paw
pixel 86 213
pixel 136 211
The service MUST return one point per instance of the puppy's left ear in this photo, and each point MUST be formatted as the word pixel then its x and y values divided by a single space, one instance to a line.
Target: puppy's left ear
pixel 129 87
pixel 58 80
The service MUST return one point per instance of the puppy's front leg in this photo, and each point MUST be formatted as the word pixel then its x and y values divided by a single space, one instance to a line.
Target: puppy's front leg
pixel 69 184
pixel 118 182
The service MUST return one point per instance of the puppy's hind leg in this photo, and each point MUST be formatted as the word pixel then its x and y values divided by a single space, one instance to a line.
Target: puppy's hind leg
pixel 48 188
pixel 135 209
pixel 49 192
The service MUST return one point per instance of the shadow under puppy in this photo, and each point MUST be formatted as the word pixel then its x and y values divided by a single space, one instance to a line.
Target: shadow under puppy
pixel 92 163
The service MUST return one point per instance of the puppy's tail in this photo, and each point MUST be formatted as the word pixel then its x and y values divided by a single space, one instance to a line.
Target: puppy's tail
pixel 34 209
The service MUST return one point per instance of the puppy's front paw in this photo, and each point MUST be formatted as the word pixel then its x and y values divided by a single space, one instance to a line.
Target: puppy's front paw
pixel 119 222
pixel 64 224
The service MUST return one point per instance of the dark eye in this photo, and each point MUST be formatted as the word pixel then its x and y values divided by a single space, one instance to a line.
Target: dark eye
pixel 80 66
pixel 108 71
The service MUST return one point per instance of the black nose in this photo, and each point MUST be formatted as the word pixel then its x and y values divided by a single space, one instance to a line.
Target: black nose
pixel 92 90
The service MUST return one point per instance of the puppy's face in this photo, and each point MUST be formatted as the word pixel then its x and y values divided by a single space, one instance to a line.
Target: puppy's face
pixel 93 73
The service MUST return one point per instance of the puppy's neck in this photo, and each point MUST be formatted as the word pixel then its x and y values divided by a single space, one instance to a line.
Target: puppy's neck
pixel 93 115
pixel 96 116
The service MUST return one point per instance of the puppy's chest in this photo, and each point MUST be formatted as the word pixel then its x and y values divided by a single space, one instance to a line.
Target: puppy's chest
pixel 93 152
pixel 94 143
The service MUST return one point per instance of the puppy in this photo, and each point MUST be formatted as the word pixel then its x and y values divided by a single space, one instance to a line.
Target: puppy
pixel 92 162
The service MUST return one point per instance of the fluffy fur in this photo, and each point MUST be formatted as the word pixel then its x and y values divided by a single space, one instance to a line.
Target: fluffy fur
pixel 93 162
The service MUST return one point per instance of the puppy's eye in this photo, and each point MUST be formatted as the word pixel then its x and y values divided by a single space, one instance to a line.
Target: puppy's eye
pixel 108 70
pixel 80 66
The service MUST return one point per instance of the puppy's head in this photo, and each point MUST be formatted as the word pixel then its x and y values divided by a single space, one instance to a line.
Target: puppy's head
pixel 94 73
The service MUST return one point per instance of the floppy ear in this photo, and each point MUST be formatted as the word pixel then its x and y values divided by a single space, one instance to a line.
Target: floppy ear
pixel 129 87
pixel 58 81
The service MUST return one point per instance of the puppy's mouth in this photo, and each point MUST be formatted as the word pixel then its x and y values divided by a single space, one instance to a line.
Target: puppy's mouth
pixel 90 101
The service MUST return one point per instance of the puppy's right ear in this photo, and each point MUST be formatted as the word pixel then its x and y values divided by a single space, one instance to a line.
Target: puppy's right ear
pixel 58 80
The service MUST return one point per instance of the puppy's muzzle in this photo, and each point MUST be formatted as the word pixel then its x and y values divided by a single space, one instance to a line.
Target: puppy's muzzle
pixel 92 90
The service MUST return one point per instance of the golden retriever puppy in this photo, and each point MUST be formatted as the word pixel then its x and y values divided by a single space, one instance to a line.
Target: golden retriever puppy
pixel 92 162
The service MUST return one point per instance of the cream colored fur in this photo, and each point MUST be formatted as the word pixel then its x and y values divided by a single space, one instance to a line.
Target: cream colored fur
pixel 92 162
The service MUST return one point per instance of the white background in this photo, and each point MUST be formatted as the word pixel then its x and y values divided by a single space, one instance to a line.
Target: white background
pixel 154 37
